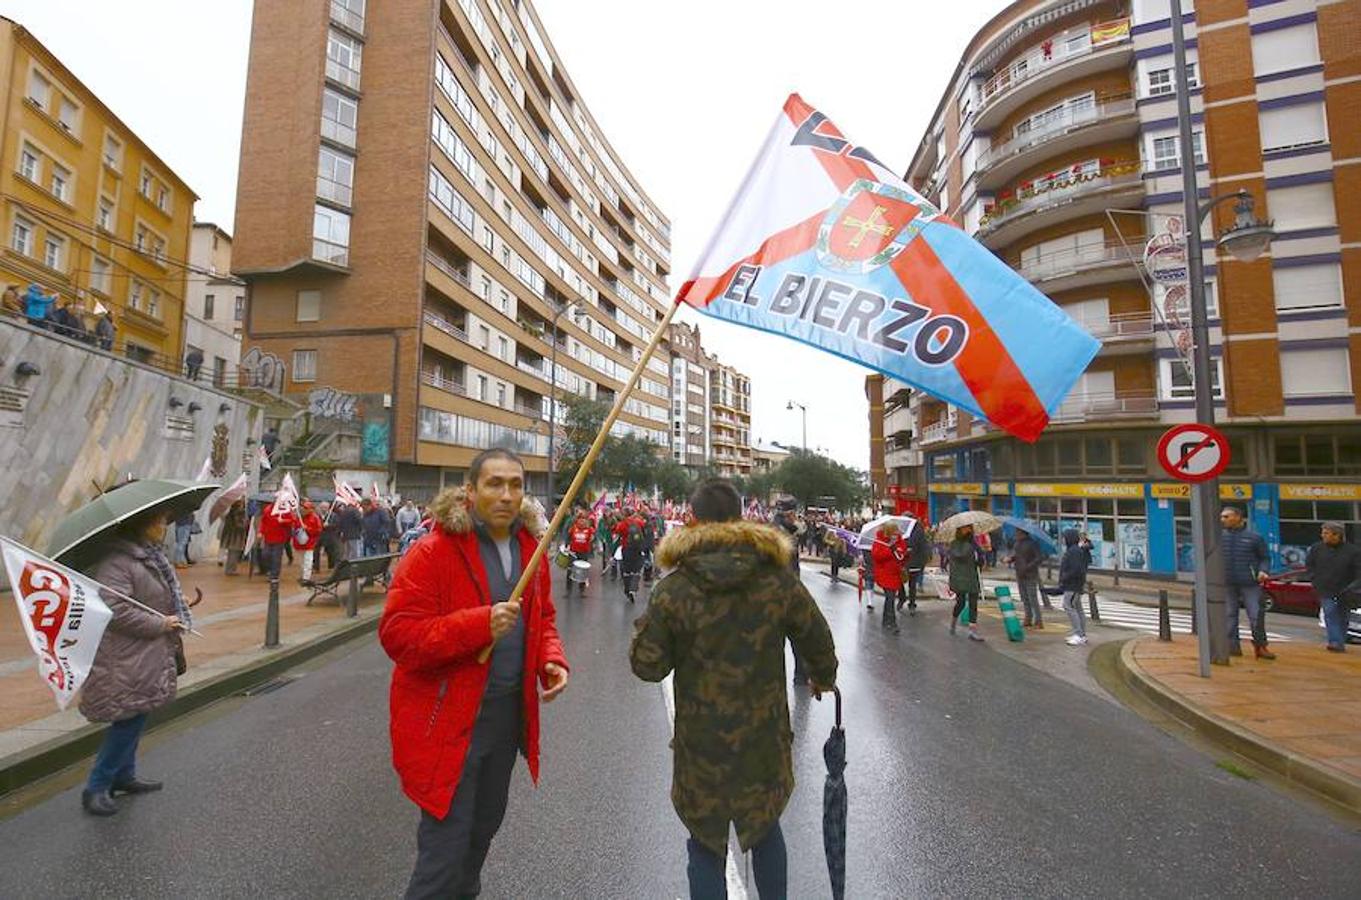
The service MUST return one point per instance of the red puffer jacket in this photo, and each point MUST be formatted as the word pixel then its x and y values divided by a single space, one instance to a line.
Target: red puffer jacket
pixel 277 529
pixel 311 524
pixel 888 562
pixel 436 622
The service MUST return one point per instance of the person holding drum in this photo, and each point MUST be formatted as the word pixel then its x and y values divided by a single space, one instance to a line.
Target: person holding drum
pixel 580 542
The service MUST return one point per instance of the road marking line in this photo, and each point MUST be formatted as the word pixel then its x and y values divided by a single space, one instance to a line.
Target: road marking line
pixel 737 888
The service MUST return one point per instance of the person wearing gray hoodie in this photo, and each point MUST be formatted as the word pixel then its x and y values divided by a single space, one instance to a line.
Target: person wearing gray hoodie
pixel 1072 580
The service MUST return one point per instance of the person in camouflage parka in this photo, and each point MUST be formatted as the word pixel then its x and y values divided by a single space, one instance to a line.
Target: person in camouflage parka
pixel 720 620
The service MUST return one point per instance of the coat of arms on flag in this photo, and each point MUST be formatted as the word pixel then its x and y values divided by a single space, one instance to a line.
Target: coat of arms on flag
pixel 826 245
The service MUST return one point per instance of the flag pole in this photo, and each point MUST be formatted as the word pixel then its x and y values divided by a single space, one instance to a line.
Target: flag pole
pixel 585 468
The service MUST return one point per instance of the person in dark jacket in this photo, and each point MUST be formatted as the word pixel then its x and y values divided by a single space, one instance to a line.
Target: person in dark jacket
pixel 918 555
pixel 377 529
pixel 963 561
pixel 105 331
pixel 1026 558
pixel 1245 562
pixel 350 525
pixel 1334 570
pixel 1072 581
pixel 719 621
pixel 329 545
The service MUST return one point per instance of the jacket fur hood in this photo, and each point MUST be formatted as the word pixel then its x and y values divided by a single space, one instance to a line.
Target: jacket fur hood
pixel 451 511
pixel 766 540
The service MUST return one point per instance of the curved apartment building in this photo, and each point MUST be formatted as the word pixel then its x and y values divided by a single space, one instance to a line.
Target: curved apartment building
pixel 1056 146
pixel 426 209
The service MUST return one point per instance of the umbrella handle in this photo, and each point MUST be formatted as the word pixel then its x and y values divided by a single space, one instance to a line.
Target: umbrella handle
pixel 837 691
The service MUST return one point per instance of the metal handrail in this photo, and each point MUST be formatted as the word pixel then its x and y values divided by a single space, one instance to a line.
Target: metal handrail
pixel 1116 173
pixel 1037 61
pixel 1077 259
pixel 446 326
pixel 1102 405
pixel 447 267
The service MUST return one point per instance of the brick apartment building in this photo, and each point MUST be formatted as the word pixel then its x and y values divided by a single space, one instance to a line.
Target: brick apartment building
pixel 1055 145
pixel 425 204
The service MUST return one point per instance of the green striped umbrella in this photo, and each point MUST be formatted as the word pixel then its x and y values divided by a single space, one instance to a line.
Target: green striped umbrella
pixel 110 509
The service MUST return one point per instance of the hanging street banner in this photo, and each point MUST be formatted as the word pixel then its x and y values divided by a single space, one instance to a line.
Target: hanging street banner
pixel 62 615
pixel 825 245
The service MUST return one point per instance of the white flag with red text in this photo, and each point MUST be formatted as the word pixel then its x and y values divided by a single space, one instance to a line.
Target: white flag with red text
pixel 345 494
pixel 285 499
pixel 62 615
pixel 262 457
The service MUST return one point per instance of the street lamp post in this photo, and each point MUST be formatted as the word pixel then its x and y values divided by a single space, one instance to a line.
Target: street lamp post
pixel 1246 240
pixel 553 400
pixel 790 406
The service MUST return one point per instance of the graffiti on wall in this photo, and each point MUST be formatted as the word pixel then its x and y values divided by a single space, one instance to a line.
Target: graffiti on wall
pixel 262 370
pixel 328 403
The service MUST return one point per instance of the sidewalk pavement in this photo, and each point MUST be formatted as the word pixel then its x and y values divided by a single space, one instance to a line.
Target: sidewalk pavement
pixel 1298 715
pixel 37 738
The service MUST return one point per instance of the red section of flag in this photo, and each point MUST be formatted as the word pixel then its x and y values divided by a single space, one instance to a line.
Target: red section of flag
pixel 985 365
pixel 867 225
pixel 777 248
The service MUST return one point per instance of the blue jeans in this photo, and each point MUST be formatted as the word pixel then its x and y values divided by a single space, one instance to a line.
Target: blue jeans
pixel 116 761
pixel 1335 621
pixel 183 533
pixel 1248 596
pixel 769 864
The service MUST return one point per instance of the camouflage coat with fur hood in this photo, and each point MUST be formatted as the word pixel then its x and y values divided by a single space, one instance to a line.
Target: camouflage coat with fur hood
pixel 720 621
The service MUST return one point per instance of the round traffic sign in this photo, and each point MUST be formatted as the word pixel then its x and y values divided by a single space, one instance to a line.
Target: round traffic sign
pixel 1193 452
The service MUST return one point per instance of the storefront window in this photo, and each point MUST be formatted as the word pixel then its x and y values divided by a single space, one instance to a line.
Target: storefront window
pixel 1301 521
pixel 1118 529
pixel 1181 520
pixel 943 467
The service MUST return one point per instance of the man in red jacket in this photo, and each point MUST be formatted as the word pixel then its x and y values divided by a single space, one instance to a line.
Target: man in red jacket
pixel 580 541
pixel 889 555
pixel 457 722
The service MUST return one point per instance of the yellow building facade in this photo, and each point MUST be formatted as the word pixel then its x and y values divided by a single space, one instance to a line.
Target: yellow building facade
pixel 90 213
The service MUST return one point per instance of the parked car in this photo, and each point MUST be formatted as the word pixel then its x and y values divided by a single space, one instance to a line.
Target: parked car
pixel 1292 592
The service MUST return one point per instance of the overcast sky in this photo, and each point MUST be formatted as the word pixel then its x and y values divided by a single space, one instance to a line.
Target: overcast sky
pixel 684 91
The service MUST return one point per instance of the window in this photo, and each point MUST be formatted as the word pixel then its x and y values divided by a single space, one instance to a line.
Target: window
pixel 483 337
pixel 339 116
pixel 1177 384
pixel 1307 373
pixel 135 294
pixel 482 387
pixel 304 365
pixel 21 237
pixel 54 252
pixel 330 236
pixel 488 238
pixel 1163 81
pixel 239 313
pixel 500 393
pixel 68 115
pixel 1282 49
pixel 1307 287
pixel 349 13
pixel 1302 206
pixel 309 306
pixel 113 152
pixel 60 183
pixel 343 59
pixel 101 275
pixel 104 217
pixel 144 184
pixel 503 348
pixel 163 199
pixel 1287 127
pixel 28 163
pixel 335 176
pixel 1183 308
pixel 208 302
pixel 451 201
pixel 39 88
pixel 153 303
pixel 1164 152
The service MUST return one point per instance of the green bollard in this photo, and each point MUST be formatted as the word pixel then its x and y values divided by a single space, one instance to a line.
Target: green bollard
pixel 1014 630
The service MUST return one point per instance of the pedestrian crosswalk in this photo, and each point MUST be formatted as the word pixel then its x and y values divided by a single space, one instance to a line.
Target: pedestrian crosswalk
pixel 1120 614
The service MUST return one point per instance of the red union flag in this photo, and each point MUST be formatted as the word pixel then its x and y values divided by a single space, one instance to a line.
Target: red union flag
pixel 825 245
pixel 62 615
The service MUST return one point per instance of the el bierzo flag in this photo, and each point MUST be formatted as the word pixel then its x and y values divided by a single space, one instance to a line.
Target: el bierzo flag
pixel 825 245
pixel 62 615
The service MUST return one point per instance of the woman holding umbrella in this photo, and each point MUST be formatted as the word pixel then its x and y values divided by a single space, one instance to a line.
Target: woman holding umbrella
pixel 119 540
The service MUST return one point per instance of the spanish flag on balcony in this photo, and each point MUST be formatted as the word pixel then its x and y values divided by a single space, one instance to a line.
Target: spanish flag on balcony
pixel 825 245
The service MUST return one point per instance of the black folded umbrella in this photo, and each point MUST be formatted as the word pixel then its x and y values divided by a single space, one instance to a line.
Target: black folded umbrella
pixel 834 804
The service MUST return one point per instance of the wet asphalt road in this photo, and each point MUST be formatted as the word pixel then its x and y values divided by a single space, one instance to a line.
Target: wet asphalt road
pixel 970 775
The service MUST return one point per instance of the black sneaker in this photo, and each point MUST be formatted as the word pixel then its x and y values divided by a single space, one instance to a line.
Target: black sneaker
pixel 98 803
pixel 136 786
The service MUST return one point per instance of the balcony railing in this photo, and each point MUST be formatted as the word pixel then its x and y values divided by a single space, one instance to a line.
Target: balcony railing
pixel 447 267
pixel 437 321
pixel 452 385
pixel 342 74
pixel 1071 261
pixel 936 431
pixel 1083 407
pixel 1058 188
pixel 333 191
pixel 1055 51
pixel 335 254
pixel 335 131
pixel 1130 325
pixel 1057 125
